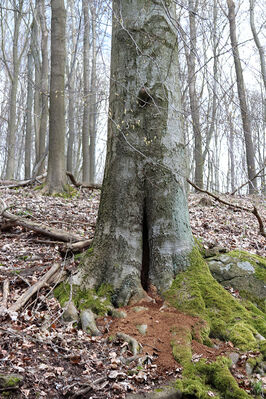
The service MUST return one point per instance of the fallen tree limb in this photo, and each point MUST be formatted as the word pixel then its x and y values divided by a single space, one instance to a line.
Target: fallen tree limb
pixel 33 289
pixel 22 183
pixel 241 208
pixel 3 304
pixel 75 247
pixel 60 235
pixel 80 185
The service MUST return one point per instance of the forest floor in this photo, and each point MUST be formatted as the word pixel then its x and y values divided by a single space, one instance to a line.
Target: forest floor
pixel 57 360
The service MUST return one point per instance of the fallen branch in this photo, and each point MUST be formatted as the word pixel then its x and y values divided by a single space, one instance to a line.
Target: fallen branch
pixel 33 289
pixel 80 185
pixel 249 180
pixel 22 183
pixel 39 228
pixel 75 247
pixel 241 208
pixel 88 388
pixel 3 305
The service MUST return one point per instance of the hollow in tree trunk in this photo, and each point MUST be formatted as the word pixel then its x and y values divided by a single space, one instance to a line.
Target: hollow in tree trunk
pixel 143 235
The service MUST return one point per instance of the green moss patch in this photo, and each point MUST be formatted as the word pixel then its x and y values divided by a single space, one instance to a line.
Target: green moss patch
pixel 199 379
pixel 197 293
pixel 97 300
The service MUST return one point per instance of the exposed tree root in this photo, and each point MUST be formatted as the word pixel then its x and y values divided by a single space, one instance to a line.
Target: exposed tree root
pixel 241 208
pixel 34 288
pixel 132 342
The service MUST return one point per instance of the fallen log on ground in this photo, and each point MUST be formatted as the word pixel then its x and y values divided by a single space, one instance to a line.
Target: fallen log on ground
pixel 21 183
pixel 57 234
pixel 34 288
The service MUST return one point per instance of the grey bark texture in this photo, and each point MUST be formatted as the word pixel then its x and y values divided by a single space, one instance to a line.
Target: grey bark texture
pixel 56 175
pixel 250 154
pixel 193 96
pixel 93 88
pixel 143 235
pixel 86 85
pixel 44 91
pixel 11 133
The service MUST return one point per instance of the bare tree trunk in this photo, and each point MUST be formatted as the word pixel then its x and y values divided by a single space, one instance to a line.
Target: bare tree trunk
pixel 11 135
pixel 71 89
pixel 250 155
pixel 86 109
pixel 56 176
pixel 231 153
pixel 258 43
pixel 44 90
pixel 143 236
pixel 193 97
pixel 93 109
pixel 28 135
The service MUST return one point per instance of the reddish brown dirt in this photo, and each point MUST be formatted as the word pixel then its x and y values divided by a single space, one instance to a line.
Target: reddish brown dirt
pixel 161 321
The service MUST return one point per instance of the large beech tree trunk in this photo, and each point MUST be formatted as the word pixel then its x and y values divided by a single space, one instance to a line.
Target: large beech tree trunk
pixel 143 235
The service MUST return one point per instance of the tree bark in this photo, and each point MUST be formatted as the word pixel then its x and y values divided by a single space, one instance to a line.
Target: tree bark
pixel 92 117
pixel 56 175
pixel 86 84
pixel 44 91
pixel 193 96
pixel 28 136
pixel 11 134
pixel 250 154
pixel 143 235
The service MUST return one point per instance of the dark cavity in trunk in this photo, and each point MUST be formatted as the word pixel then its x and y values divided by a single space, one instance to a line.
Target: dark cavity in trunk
pixel 145 252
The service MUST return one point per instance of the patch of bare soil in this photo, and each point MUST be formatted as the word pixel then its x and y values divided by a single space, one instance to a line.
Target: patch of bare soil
pixel 57 359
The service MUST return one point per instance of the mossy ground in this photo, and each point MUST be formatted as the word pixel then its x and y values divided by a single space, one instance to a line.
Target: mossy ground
pixel 97 300
pixel 201 378
pixel 196 292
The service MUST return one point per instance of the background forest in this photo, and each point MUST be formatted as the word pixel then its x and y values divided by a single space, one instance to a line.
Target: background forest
pixel 222 76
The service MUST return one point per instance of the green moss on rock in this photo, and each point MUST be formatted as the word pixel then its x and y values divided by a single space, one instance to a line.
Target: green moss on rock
pixel 196 292
pixel 98 301
pixel 257 261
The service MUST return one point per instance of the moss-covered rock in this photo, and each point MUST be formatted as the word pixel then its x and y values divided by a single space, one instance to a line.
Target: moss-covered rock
pixel 196 292
pixel 243 271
